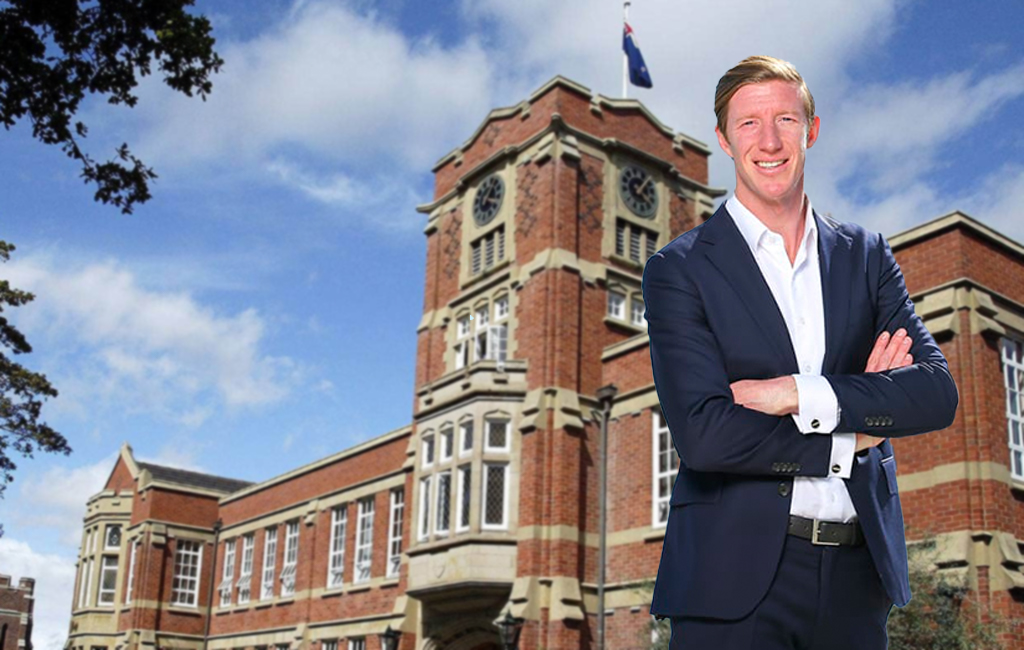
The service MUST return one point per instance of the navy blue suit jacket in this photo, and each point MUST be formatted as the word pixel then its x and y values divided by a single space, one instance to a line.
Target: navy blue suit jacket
pixel 712 320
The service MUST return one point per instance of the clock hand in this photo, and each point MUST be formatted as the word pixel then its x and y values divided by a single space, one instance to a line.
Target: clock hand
pixel 640 190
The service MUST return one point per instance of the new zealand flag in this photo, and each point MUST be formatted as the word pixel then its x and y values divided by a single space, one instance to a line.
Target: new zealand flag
pixel 638 74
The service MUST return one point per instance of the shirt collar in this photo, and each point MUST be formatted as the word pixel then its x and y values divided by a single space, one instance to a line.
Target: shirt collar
pixel 753 229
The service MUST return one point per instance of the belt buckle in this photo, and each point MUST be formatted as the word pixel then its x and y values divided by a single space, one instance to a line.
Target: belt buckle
pixel 814 535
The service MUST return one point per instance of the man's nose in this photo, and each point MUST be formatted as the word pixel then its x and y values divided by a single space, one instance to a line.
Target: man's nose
pixel 770 140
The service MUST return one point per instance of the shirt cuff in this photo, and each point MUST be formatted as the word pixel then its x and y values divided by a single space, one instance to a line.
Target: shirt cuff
pixel 818 406
pixel 843 446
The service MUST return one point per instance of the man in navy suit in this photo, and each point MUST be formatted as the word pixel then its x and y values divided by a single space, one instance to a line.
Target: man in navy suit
pixel 785 352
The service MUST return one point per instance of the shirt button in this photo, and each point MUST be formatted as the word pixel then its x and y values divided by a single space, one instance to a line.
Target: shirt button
pixel 783 489
pixel 807 368
pixel 836 469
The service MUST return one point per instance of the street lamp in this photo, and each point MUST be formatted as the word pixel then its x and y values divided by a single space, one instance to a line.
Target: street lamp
pixel 509 629
pixel 605 395
pixel 389 639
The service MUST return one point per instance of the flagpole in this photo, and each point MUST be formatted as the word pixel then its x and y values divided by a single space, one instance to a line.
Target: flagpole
pixel 625 58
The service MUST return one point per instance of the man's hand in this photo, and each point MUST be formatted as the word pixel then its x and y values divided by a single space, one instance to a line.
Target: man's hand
pixel 776 396
pixel 888 354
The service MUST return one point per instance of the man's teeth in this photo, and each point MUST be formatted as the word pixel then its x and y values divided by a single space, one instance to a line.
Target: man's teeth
pixel 769 165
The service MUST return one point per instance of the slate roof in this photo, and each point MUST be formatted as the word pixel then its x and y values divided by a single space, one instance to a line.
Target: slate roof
pixel 194 479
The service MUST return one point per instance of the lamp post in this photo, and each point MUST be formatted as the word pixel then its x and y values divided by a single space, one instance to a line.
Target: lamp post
pixel 605 396
pixel 509 628
pixel 389 639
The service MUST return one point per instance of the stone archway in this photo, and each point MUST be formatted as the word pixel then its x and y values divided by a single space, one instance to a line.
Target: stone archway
pixel 462 633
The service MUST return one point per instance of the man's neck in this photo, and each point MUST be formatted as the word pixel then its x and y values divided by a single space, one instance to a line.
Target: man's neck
pixel 784 217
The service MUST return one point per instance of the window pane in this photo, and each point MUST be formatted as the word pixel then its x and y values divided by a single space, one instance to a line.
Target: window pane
pixel 476 258
pixel 465 487
pixel 489 251
pixel 444 489
pixel 467 435
pixel 494 508
pixel 620 238
pixel 634 243
pixel 497 431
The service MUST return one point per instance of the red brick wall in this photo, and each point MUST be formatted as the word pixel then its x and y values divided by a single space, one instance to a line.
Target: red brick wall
pixel 120 478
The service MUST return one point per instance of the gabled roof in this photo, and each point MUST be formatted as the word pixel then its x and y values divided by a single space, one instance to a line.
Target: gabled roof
pixel 193 479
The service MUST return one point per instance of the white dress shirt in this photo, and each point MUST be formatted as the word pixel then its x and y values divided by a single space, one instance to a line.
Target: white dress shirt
pixel 796 288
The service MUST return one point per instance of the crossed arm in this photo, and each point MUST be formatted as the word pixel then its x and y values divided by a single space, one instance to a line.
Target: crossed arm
pixel 715 432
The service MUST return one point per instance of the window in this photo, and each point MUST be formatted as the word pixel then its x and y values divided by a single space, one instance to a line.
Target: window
pixel 666 465
pixel 497 438
pixel 187 562
pixel 480 338
pixel 424 507
pixel 364 540
pixel 501 308
pixel 495 499
pixel 113 538
pixel 447 441
pixel 444 492
pixel 269 557
pixel 245 577
pixel 462 343
pixel 395 532
pixel 108 579
pixel 291 558
pixel 1013 375
pixel 130 590
pixel 616 305
pixel 428 450
pixel 637 312
pixel 466 438
pixel 228 574
pixel 85 574
pixel 465 487
pixel 339 526
pixel 358 643
pixel 632 241
pixel 488 250
pixel 329 645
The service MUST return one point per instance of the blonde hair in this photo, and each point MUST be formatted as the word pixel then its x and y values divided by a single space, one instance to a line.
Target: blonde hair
pixel 752 70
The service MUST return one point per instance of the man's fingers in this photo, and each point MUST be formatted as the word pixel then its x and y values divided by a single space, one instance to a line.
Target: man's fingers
pixel 894 349
pixel 876 352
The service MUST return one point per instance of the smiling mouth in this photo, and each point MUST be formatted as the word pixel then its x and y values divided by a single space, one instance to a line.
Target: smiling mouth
pixel 771 164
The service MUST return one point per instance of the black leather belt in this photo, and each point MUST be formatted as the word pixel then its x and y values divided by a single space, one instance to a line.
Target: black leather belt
pixel 826 533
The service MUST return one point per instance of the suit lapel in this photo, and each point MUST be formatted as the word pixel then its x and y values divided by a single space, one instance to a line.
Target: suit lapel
pixel 732 257
pixel 834 259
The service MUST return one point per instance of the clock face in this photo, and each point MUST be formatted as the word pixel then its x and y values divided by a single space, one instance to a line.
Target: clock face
pixel 488 199
pixel 637 189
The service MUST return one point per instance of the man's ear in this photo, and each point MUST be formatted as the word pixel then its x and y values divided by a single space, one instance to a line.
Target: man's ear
pixel 812 133
pixel 723 142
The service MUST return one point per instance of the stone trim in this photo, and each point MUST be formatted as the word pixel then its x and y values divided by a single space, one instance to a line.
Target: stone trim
pixel 961 471
pixel 953 220
pixel 560 595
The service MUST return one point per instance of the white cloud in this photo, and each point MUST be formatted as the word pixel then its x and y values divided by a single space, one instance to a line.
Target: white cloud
pixel 118 343
pixel 56 498
pixel 55 582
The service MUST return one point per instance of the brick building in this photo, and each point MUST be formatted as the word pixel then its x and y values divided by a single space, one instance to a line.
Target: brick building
pixel 488 501
pixel 16 604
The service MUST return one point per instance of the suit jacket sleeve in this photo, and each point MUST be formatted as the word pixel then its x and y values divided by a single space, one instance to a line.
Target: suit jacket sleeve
pixel 907 401
pixel 710 431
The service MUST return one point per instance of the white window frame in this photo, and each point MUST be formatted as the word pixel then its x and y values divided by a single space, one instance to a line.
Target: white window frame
pixel 636 311
pixel 443 503
pixel 227 574
pixel 1012 354
pixel 423 526
pixel 85 574
pixel 245 574
pixel 185 588
pixel 364 541
pixel 395 532
pixel 130 588
pixel 501 308
pixel 336 559
pixel 661 444
pixel 465 492
pixel 357 643
pixel 462 342
pixel 291 558
pixel 108 565
pixel 616 304
pixel 466 441
pixel 428 449
pixel 329 645
pixel 269 560
pixel 487 435
pixel 446 442
pixel 497 344
pixel 503 525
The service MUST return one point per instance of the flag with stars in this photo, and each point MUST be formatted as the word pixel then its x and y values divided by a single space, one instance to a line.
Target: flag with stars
pixel 638 74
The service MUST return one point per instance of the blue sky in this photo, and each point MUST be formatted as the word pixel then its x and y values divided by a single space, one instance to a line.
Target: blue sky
pixel 260 311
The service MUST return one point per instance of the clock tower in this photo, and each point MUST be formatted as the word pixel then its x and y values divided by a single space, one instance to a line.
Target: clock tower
pixel 536 242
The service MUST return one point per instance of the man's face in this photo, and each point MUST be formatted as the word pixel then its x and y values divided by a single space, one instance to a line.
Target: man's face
pixel 768 136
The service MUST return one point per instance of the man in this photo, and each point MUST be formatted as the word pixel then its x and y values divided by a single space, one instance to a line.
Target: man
pixel 785 351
